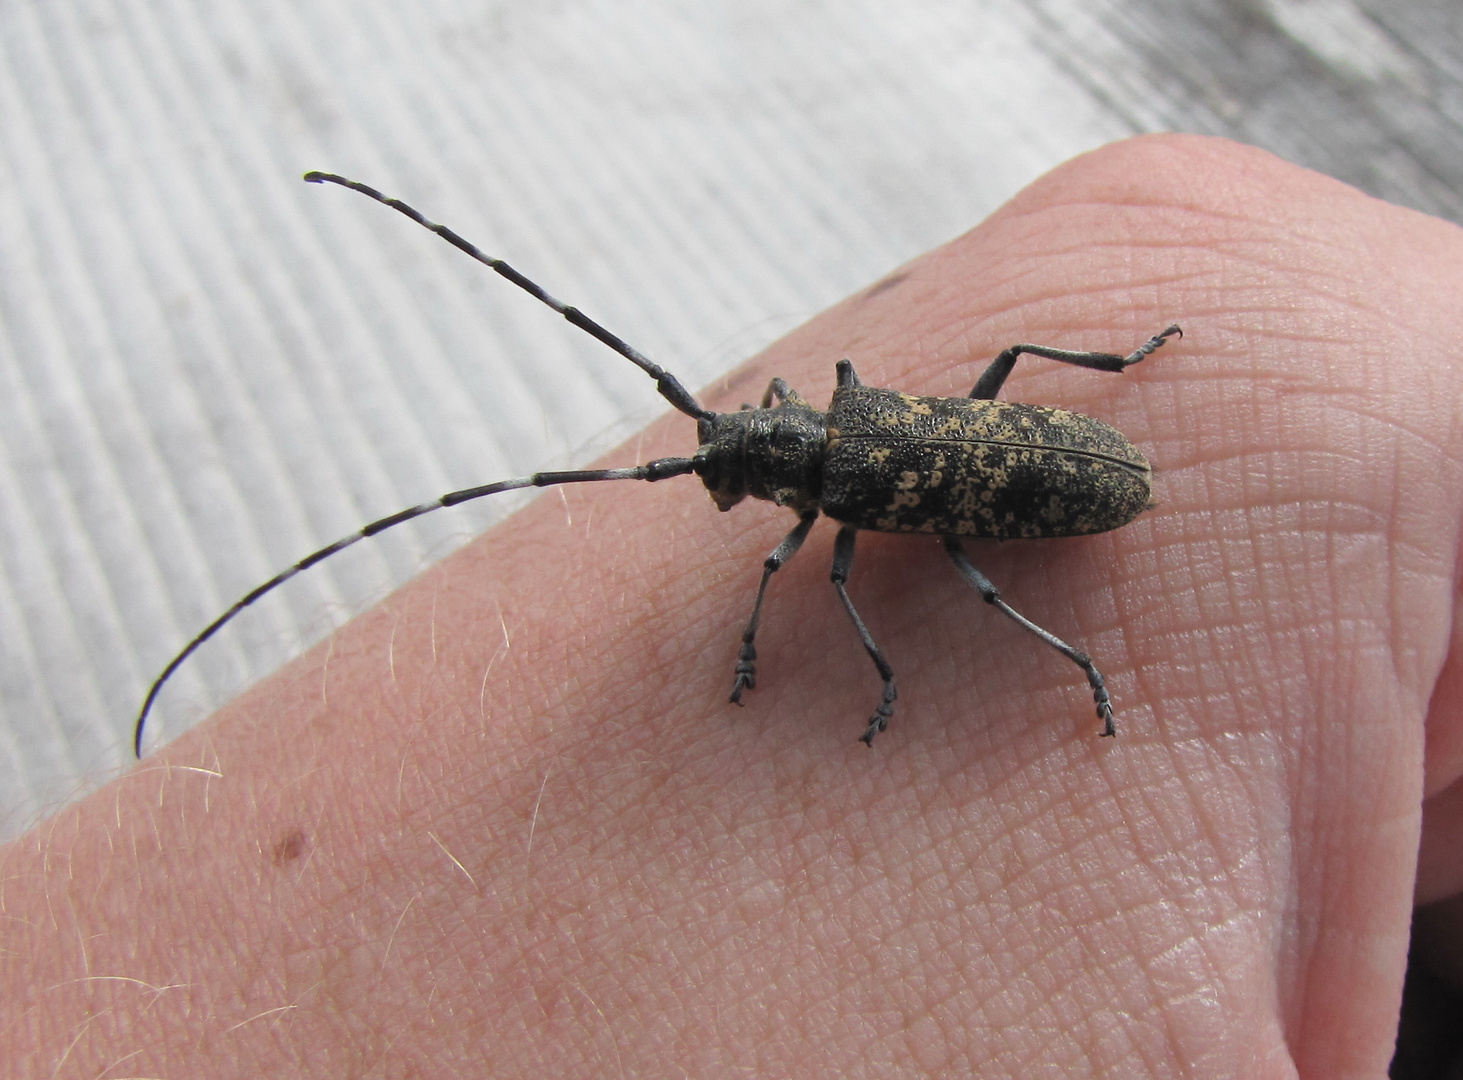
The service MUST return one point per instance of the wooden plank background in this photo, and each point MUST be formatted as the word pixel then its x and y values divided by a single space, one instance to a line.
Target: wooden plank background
pixel 209 368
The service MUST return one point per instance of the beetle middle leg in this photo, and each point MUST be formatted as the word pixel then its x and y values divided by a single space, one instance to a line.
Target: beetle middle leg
pixel 994 377
pixel 982 585
pixel 747 658
pixel 842 563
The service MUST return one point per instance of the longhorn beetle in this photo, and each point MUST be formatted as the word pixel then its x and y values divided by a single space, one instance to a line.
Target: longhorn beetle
pixel 877 459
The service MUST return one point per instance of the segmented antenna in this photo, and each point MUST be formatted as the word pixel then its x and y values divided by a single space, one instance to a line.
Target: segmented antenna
pixel 669 386
pixel 659 469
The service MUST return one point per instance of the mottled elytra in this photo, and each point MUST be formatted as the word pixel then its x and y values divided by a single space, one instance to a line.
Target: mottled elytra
pixel 877 459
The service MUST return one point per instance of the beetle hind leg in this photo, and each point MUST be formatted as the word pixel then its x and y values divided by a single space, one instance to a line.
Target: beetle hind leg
pixel 994 377
pixel 982 585
pixel 747 658
pixel 842 563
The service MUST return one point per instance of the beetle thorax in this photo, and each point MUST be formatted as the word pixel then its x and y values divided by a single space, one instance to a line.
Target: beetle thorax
pixel 769 453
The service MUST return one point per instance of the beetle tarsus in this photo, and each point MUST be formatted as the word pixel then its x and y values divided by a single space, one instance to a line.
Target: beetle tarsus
pixel 746 672
pixel 1099 695
pixel 1152 343
pixel 880 720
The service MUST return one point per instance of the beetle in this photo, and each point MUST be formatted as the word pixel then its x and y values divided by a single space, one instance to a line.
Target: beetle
pixel 877 459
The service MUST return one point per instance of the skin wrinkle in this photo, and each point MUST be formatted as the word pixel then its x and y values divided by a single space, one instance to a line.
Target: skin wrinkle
pixel 1206 834
pixel 1036 961
pixel 1042 286
pixel 1343 298
pixel 1248 214
pixel 1052 256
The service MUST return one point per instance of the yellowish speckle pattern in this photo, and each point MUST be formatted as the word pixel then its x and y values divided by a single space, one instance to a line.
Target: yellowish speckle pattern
pixel 965 467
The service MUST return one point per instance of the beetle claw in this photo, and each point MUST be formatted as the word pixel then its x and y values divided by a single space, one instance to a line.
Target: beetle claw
pixel 745 681
pixel 1104 712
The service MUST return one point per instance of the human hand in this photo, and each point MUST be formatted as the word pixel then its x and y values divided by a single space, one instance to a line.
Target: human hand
pixel 506 822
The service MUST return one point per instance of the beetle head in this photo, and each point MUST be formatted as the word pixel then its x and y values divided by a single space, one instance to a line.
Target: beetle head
pixel 773 453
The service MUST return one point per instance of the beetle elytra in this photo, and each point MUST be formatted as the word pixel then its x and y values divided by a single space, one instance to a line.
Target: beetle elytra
pixel 877 459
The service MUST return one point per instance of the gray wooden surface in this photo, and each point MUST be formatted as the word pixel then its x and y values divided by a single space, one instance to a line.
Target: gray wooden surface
pixel 208 368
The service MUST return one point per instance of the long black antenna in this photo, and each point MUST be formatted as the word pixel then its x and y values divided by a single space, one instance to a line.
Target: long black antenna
pixel 669 386
pixel 659 469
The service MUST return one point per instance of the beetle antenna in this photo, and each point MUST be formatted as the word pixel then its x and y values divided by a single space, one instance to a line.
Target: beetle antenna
pixel 669 386
pixel 659 469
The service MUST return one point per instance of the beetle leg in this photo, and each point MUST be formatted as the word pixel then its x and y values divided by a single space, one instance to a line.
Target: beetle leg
pixel 982 585
pixel 780 392
pixel 842 563
pixel 747 658
pixel 994 377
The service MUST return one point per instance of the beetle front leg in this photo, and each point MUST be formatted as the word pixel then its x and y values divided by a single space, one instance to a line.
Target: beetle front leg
pixel 747 658
pixel 994 377
pixel 778 392
pixel 982 585
pixel 842 563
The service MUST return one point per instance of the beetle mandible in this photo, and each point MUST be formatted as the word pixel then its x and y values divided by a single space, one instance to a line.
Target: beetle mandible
pixel 877 459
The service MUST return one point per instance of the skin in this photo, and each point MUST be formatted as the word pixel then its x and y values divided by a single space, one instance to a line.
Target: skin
pixel 506 823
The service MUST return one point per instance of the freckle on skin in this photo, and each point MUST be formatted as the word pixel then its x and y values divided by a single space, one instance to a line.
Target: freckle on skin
pixel 289 847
